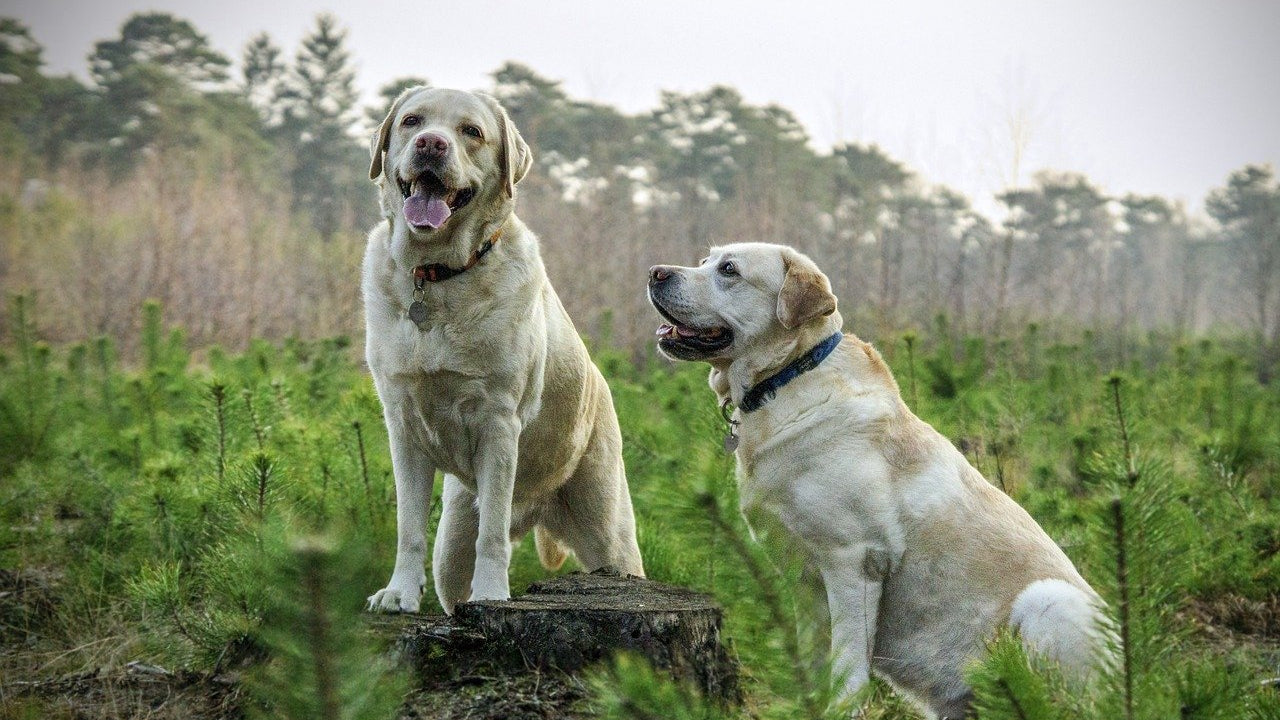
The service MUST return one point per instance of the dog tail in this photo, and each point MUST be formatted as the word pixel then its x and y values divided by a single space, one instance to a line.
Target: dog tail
pixel 1067 624
pixel 550 552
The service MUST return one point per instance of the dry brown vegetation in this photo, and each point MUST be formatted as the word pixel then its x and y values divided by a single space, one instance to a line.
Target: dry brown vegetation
pixel 225 256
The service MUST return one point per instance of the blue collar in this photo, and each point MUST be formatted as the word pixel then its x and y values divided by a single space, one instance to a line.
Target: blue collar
pixel 763 392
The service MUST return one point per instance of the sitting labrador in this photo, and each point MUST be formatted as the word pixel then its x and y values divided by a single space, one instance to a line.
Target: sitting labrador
pixel 479 369
pixel 918 558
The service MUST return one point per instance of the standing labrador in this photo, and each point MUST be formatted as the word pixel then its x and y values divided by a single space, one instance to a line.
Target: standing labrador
pixel 918 558
pixel 480 371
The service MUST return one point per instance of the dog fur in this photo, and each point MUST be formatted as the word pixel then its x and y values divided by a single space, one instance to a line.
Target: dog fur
pixel 916 558
pixel 495 388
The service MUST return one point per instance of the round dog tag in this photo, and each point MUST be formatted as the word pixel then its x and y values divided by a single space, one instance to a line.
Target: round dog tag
pixel 418 312
pixel 730 442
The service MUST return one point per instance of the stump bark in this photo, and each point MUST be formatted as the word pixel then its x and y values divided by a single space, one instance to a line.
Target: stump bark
pixel 483 655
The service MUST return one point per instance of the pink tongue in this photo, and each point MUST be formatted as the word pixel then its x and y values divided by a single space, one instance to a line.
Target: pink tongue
pixel 422 210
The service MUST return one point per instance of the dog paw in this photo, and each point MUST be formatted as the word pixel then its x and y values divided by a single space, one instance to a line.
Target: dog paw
pixel 396 598
pixel 490 596
pixel 492 588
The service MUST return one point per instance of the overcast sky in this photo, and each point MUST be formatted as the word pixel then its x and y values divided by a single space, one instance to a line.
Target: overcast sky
pixel 1149 96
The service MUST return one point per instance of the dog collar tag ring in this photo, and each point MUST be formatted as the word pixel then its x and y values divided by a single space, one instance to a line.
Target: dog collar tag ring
pixel 418 308
pixel 730 438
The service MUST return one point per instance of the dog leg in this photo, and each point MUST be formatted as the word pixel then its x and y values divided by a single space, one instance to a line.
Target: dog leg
pixel 594 515
pixel 495 484
pixel 853 580
pixel 415 482
pixel 454 556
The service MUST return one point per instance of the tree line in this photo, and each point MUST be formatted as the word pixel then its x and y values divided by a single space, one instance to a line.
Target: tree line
pixel 239 201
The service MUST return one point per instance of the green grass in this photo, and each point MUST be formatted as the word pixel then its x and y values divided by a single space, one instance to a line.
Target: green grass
pixel 161 494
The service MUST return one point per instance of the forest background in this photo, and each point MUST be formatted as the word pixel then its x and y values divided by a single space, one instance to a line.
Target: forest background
pixel 240 202
pixel 183 410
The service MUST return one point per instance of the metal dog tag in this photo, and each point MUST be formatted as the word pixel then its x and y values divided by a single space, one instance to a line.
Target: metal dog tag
pixel 418 312
pixel 730 443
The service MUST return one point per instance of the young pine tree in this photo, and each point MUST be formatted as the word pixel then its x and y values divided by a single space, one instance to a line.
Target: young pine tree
pixel 321 665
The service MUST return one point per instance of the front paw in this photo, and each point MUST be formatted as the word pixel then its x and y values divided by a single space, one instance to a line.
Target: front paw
pixel 396 597
pixel 492 587
pixel 495 595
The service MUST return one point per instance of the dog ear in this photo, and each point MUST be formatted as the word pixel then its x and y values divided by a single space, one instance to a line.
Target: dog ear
pixel 516 158
pixel 380 141
pixel 805 294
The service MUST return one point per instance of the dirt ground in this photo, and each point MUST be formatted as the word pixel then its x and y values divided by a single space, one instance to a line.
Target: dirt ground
pixel 460 678
pixel 462 674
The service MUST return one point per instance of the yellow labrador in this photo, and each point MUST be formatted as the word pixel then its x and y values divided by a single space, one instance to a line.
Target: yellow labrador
pixel 480 371
pixel 918 559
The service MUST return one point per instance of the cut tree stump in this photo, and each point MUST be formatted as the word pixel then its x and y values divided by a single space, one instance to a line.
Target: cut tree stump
pixel 520 658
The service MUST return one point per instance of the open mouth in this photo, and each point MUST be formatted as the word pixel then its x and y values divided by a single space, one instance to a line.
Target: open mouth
pixel 428 202
pixel 688 342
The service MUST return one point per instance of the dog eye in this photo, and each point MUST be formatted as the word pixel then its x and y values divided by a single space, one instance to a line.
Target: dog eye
pixel 410 120
pixel 473 131
pixel 728 269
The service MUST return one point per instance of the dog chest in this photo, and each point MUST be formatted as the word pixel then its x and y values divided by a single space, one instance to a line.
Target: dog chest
pixel 397 347
pixel 445 418
pixel 820 506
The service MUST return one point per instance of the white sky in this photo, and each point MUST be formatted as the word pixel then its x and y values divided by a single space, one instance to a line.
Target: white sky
pixel 1150 96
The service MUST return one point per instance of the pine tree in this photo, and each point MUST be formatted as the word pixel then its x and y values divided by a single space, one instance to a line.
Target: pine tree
pixel 162 40
pixel 1249 210
pixel 1065 223
pixel 262 78
pixel 152 81
pixel 20 61
pixel 319 103
pixel 322 666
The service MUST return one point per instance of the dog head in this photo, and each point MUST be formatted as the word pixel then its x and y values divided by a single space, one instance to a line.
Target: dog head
pixel 443 155
pixel 747 299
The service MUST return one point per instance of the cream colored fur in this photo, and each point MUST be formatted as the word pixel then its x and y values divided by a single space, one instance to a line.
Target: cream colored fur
pixel 917 558
pixel 496 389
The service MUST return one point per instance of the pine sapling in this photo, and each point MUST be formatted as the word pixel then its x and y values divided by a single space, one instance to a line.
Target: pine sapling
pixel 254 420
pixel 1013 699
pixel 263 470
pixel 104 354
pixel 773 602
pixel 282 400
pixel 1122 583
pixel 218 392
pixel 1010 684
pixel 311 558
pixel 364 466
pixel 1131 473
pixel 322 665
pixel 910 339
pixel 151 331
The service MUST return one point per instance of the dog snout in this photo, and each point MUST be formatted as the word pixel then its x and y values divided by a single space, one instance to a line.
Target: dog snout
pixel 431 144
pixel 659 274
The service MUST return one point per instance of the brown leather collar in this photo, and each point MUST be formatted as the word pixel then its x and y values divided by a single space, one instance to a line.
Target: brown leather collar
pixel 435 272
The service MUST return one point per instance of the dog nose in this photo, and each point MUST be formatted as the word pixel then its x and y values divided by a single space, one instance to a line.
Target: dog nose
pixel 659 274
pixel 431 144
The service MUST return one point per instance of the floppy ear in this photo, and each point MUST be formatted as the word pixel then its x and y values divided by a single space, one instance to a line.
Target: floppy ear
pixel 516 158
pixel 381 139
pixel 805 294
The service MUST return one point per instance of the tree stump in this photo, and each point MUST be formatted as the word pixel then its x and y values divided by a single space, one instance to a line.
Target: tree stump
pixel 486 653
